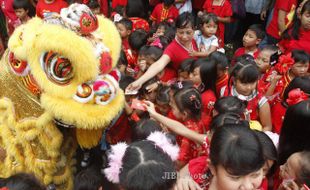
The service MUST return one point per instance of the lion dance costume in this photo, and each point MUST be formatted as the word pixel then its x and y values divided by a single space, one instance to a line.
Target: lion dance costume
pixel 56 73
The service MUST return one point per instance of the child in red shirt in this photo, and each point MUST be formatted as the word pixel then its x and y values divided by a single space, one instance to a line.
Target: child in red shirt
pixel 21 9
pixel 253 36
pixel 164 11
pixel 45 6
pixel 298 36
pixel 223 10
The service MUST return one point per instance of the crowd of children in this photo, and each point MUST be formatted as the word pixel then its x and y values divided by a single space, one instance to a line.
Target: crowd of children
pixel 196 117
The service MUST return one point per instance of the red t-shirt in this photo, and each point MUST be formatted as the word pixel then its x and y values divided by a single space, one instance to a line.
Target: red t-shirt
pixel 289 7
pixel 8 11
pixel 303 43
pixel 224 10
pixel 198 4
pixel 116 3
pixel 160 13
pixel 169 74
pixel 43 7
pixel 277 115
pixel 139 23
pixel 208 99
pixel 178 53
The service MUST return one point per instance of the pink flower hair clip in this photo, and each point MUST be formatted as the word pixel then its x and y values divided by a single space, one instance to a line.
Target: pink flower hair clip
pixel 157 43
pixel 115 162
pixel 163 142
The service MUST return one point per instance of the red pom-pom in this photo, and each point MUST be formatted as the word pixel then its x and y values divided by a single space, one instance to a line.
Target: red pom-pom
pixel 295 96
pixel 105 63
pixel 88 23
pixel 284 64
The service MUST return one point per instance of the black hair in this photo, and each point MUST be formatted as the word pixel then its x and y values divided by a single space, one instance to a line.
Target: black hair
pixel 269 149
pixel 206 18
pixel 237 149
pixel 144 128
pixel 220 59
pixel 184 20
pixel 186 65
pixel 120 10
pixel 122 60
pixel 21 4
pixel 303 177
pixel 137 39
pixel 22 181
pixel 168 2
pixel 208 74
pixel 154 52
pixel 144 168
pixel 93 4
pixel 125 81
pixel 292 32
pixel 126 22
pixel 179 85
pixel 230 104
pixel 136 8
pixel 300 56
pixel 143 89
pixel 298 82
pixel 227 118
pixel 258 30
pixel 88 179
pixel 294 135
pixel 169 33
pixel 245 71
pixel 189 100
pixel 163 94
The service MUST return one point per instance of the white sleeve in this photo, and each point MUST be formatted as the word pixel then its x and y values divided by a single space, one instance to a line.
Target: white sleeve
pixel 215 42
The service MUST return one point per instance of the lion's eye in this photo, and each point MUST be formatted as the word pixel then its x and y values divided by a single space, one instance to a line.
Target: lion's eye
pixel 57 68
pixel 84 93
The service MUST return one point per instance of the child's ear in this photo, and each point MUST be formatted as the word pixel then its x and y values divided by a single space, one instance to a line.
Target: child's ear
pixel 211 167
pixel 258 41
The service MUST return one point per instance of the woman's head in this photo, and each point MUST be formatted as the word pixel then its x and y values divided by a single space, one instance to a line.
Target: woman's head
pixel 245 76
pixel 186 104
pixel 145 166
pixel 185 27
pixel 209 24
pixel 236 158
pixel 294 136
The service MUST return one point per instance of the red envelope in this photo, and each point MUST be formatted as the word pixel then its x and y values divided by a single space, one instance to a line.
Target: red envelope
pixel 138 105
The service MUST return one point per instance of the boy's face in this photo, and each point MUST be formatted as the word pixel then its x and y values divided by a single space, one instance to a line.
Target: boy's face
pixel 300 69
pixel 21 13
pixel 263 60
pixel 123 30
pixel 250 39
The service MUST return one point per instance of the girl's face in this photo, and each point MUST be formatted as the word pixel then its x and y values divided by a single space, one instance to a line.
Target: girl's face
pixel 226 181
pixel 245 89
pixel 209 29
pixel 250 39
pixel 183 76
pixel 21 13
pixel 160 31
pixel 300 69
pixel 291 168
pixel 162 107
pixel 195 76
pixel 305 20
pixel 175 110
pixel 263 60
pixel 124 33
pixel 185 35
pixel 142 63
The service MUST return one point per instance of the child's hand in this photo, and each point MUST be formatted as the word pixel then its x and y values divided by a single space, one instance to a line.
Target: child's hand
pixel 193 53
pixel 135 86
pixel 186 183
pixel 152 87
pixel 150 107
pixel 289 185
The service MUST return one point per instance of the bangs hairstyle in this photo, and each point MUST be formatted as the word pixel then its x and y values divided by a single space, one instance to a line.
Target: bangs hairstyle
pixel 300 56
pixel 21 4
pixel 184 20
pixel 237 149
pixel 210 17
pixel 245 71
pixel 189 100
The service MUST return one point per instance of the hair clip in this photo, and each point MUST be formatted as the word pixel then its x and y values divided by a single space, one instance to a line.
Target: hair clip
pixel 295 96
pixel 115 162
pixel 180 85
pixel 285 62
pixel 192 97
pixel 157 43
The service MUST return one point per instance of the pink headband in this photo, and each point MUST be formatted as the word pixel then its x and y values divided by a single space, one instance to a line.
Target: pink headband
pixel 118 152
